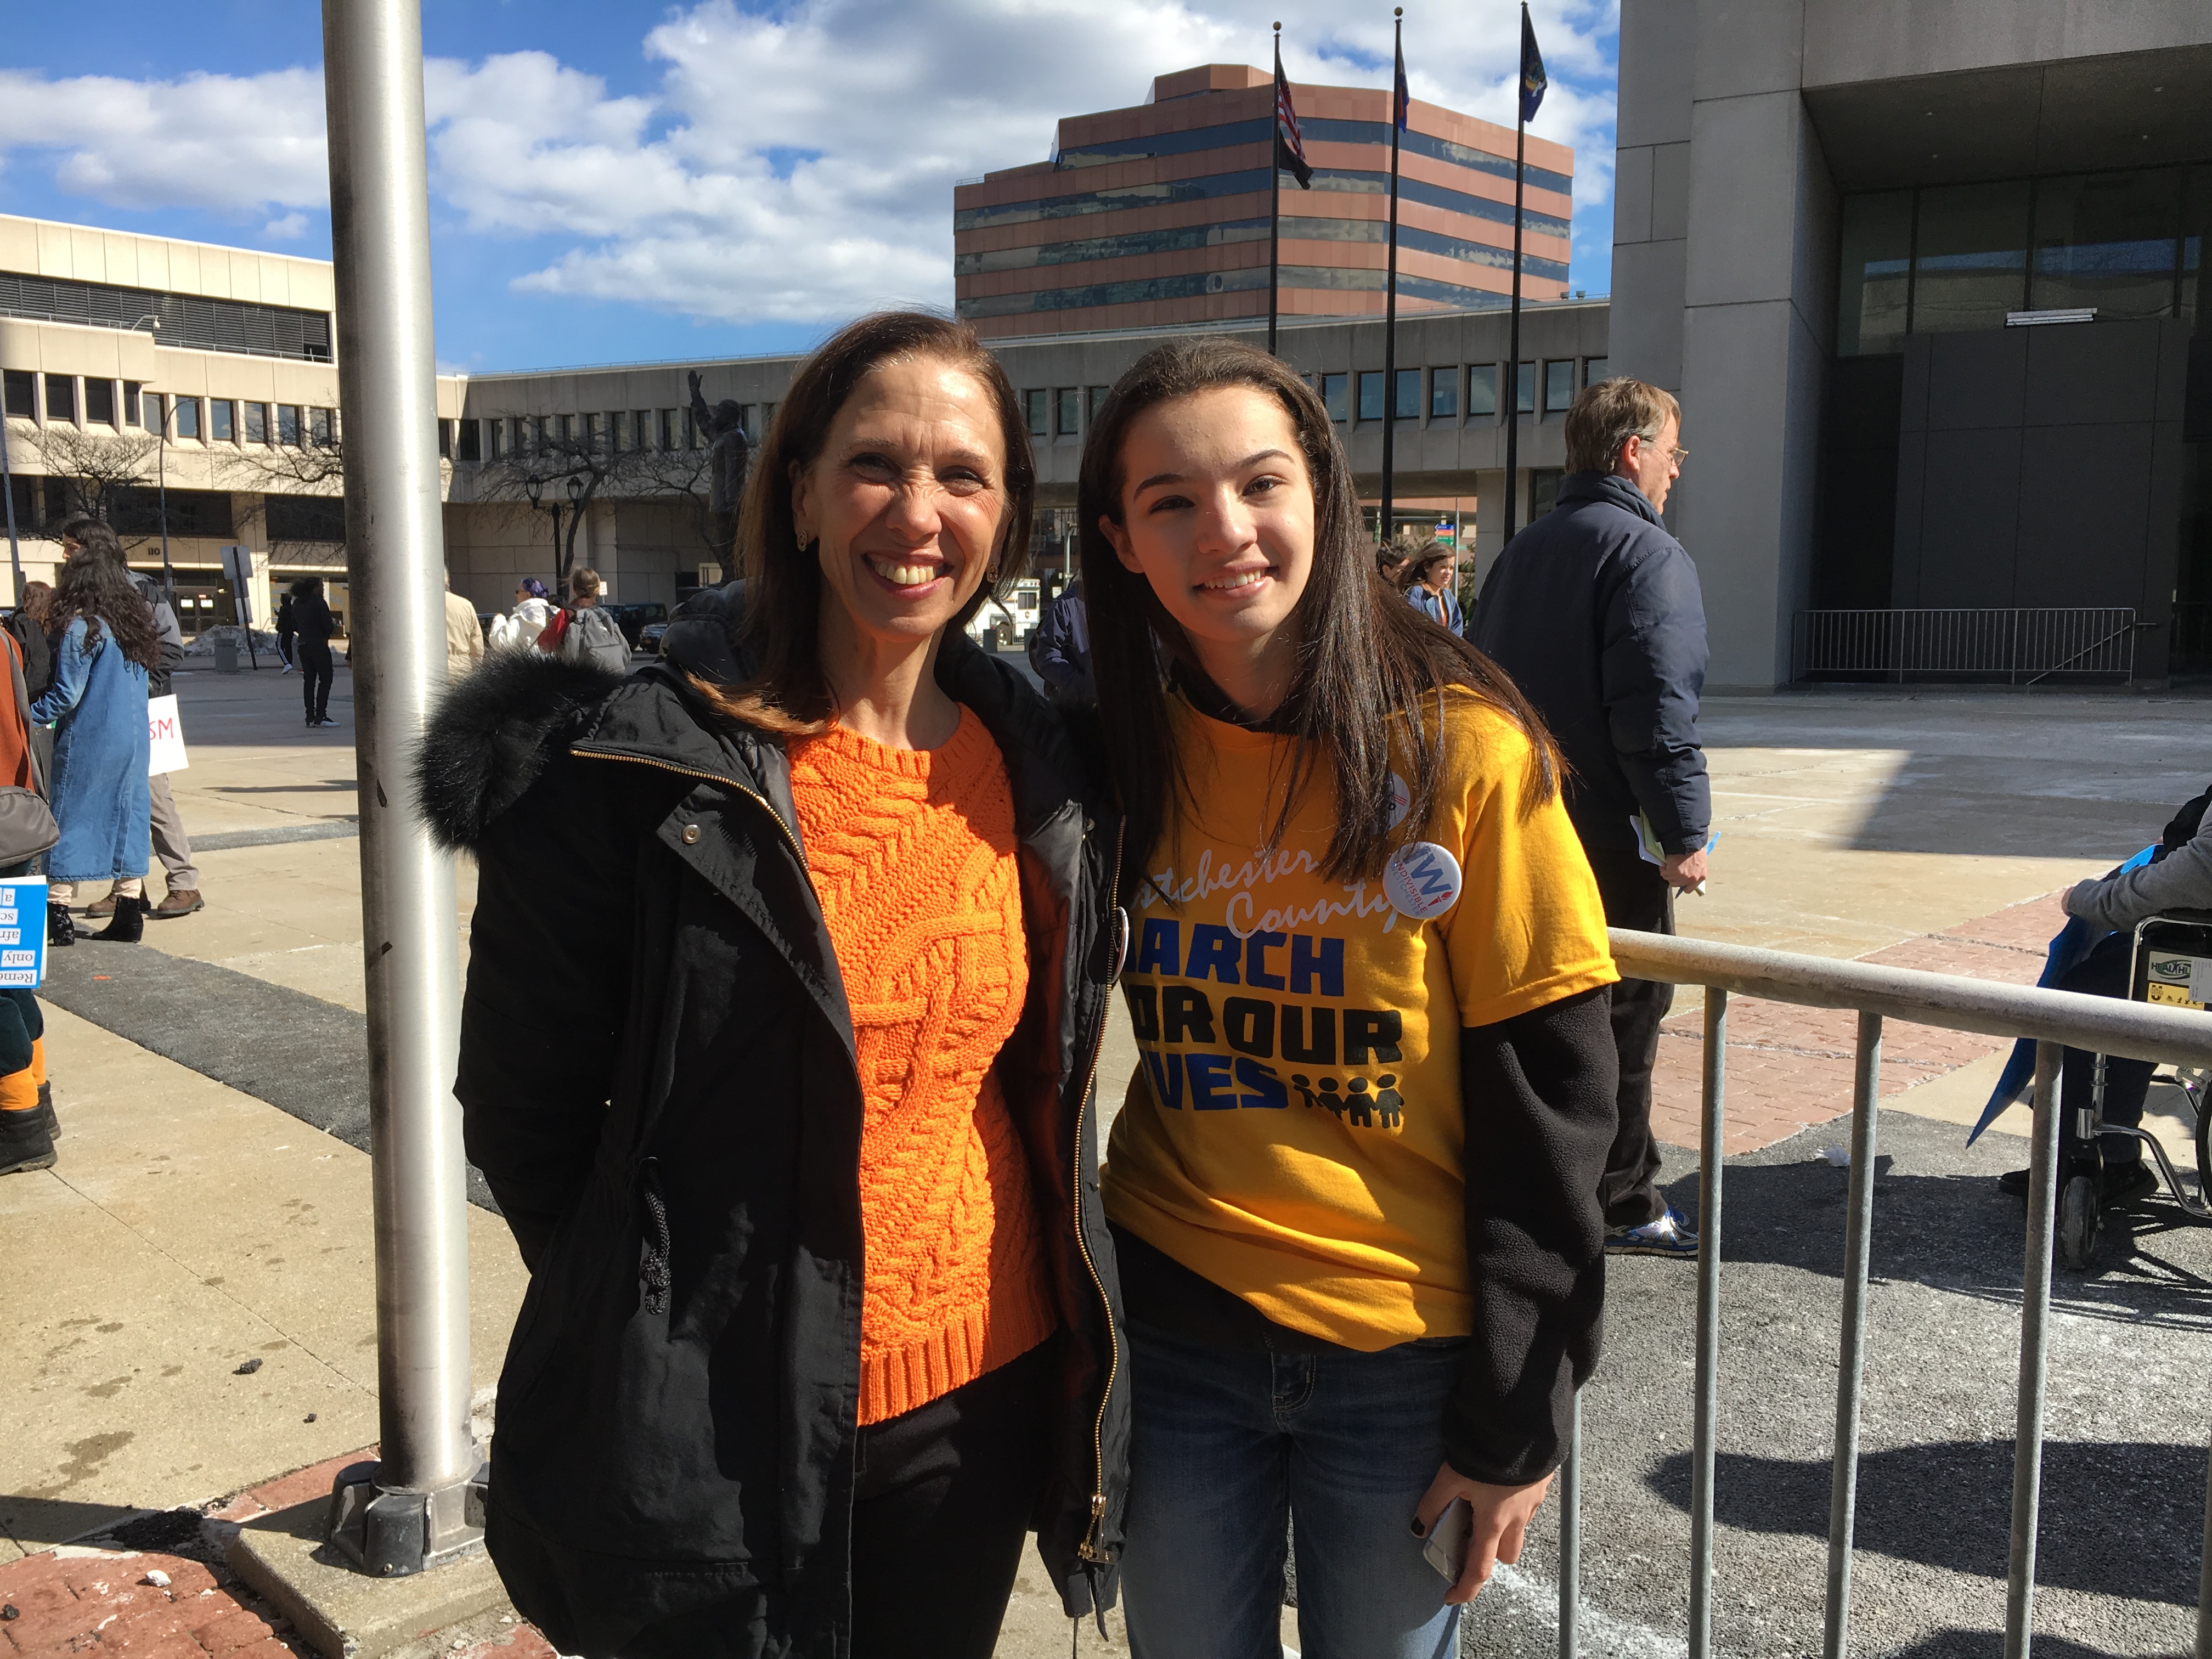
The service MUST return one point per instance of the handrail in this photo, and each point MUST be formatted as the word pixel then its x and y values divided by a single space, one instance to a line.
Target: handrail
pixel 2054 1020
pixel 2135 1030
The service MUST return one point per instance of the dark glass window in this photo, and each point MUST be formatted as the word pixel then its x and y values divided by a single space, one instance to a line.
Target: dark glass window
pixel 670 438
pixel 61 398
pixel 100 400
pixel 20 392
pixel 1595 369
pixel 23 493
pixel 1871 299
pixel 1970 262
pixel 1443 393
pixel 1067 411
pixel 2195 235
pixel 305 518
pixel 1543 490
pixel 192 512
pixel 1524 390
pixel 1406 404
pixel 1333 391
pixel 2107 239
pixel 133 405
pixel 288 424
pixel 1037 404
pixel 470 446
pixel 187 319
pixel 188 418
pixel 256 423
pixel 1558 384
pixel 445 440
pixel 1371 396
pixel 319 426
pixel 222 422
pixel 1094 399
pixel 1482 390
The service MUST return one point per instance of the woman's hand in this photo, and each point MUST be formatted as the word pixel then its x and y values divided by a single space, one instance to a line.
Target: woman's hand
pixel 1501 1516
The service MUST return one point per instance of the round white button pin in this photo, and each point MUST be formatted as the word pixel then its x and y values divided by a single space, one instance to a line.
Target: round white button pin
pixel 1422 880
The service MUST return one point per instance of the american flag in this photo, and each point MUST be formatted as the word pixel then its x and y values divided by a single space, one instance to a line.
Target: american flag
pixel 1289 145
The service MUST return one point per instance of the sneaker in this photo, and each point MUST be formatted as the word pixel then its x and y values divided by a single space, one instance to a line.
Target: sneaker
pixel 1669 1235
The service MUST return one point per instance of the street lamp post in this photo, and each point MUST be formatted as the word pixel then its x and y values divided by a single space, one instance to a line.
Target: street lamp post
pixel 535 486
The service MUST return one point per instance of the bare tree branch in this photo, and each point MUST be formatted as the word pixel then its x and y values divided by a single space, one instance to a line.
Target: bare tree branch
pixel 94 468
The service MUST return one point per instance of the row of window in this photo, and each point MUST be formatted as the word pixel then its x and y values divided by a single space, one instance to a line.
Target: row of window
pixel 616 432
pixel 67 399
pixel 1442 394
pixel 1104 151
pixel 1946 257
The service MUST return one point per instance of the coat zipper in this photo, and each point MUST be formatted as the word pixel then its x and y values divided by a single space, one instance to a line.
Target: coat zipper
pixel 790 838
pixel 1088 1550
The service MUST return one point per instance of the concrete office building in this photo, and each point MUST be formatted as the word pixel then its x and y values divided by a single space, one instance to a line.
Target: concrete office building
pixel 233 401
pixel 1157 215
pixel 1926 277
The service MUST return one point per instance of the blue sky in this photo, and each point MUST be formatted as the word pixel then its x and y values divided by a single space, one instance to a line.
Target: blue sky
pixel 620 182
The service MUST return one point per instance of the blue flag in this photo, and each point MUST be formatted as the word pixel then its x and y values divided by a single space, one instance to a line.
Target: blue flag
pixel 1401 102
pixel 1532 70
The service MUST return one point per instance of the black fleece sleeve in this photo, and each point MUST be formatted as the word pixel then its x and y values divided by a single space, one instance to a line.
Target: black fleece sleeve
pixel 547 989
pixel 1539 1101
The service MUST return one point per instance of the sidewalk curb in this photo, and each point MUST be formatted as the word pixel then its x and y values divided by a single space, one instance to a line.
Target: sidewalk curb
pixel 343 1614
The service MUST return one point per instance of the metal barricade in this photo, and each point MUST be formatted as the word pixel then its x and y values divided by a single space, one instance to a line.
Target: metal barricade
pixel 2054 1020
pixel 2020 646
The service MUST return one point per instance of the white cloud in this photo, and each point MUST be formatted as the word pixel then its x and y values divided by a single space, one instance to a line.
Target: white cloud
pixel 795 164
pixel 289 228
pixel 237 144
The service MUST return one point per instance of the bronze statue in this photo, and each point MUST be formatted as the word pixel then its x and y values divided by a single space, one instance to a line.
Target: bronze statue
pixel 728 455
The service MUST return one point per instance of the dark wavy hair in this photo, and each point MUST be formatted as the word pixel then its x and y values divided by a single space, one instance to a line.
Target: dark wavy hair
pixel 94 583
pixel 1364 655
pixel 790 694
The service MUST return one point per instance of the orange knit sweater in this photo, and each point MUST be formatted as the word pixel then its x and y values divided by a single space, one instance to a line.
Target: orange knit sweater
pixel 911 854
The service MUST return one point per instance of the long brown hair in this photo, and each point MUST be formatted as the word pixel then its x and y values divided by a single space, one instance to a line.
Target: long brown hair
pixel 94 583
pixel 783 590
pixel 1364 655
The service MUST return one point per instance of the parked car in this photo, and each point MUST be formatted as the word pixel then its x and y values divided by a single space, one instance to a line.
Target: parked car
pixel 648 637
pixel 633 619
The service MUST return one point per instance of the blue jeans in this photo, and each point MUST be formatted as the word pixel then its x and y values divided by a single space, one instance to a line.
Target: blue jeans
pixel 1228 1445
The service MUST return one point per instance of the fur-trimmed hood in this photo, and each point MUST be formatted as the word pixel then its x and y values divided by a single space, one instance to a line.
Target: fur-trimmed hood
pixel 490 734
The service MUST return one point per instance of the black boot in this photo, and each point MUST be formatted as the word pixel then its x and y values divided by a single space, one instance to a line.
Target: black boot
pixel 61 926
pixel 25 1143
pixel 128 925
pixel 45 1112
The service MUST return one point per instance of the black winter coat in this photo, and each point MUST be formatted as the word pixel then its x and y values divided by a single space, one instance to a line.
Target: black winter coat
pixel 657 1080
pixel 1594 612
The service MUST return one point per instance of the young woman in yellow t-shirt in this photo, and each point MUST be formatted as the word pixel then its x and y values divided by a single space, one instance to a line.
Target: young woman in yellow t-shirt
pixel 1355 1183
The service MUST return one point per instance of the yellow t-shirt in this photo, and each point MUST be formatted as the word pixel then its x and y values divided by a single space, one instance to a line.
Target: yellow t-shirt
pixel 1294 1131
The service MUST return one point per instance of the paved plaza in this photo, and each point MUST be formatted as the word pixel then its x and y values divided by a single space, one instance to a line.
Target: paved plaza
pixel 210 1209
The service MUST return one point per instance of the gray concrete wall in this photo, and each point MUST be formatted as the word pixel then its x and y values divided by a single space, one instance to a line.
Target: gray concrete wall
pixel 1855 40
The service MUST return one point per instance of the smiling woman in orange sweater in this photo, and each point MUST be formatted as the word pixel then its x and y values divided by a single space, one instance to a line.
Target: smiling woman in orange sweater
pixel 853 949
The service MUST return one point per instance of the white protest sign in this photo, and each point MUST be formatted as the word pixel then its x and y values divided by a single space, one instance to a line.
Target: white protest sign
pixel 165 737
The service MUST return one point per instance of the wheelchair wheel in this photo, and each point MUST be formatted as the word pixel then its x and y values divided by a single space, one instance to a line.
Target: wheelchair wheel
pixel 2077 1221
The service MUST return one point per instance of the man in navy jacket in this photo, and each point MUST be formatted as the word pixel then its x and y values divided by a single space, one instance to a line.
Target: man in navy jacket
pixel 1594 610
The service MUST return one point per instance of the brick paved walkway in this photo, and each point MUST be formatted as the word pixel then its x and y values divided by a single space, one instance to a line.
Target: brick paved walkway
pixel 1790 1067
pixel 106 1597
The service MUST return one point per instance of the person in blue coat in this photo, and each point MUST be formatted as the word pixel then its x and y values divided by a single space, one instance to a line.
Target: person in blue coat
pixel 105 642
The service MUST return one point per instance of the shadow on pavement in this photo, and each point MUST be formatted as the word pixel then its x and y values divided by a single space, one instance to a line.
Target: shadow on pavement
pixel 1951 1232
pixel 2119 1518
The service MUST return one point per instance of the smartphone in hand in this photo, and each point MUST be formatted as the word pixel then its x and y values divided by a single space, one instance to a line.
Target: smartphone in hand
pixel 1446 1549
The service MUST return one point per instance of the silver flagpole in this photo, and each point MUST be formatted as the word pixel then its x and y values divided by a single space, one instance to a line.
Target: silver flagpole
pixel 414 1509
